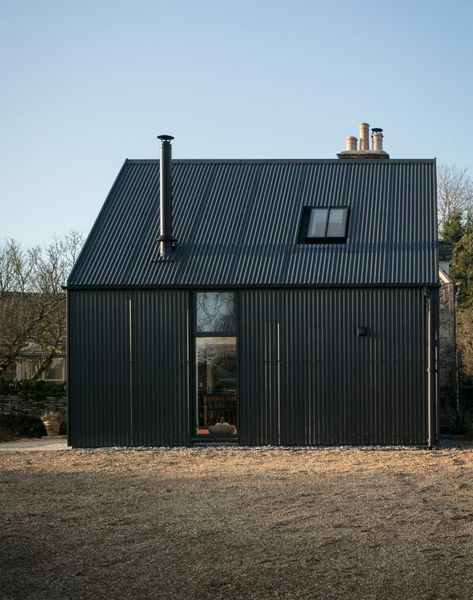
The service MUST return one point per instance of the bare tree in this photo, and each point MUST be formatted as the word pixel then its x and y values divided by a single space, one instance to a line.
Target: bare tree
pixel 454 192
pixel 32 302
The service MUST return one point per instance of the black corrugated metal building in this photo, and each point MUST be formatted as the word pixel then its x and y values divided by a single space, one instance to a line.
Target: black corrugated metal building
pixel 298 305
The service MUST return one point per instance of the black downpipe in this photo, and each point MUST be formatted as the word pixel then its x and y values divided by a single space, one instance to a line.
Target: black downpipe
pixel 432 421
pixel 166 240
pixel 68 394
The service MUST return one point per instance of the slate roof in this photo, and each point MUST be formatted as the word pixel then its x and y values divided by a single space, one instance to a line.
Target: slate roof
pixel 237 224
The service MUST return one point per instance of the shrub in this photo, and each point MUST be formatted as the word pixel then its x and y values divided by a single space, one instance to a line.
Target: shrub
pixel 20 425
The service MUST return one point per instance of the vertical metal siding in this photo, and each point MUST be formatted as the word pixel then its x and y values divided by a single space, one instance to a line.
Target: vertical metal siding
pixel 128 368
pixel 160 368
pixel 99 383
pixel 335 387
pixel 259 369
pixel 306 377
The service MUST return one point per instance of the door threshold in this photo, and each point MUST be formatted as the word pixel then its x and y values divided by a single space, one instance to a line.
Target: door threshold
pixel 212 441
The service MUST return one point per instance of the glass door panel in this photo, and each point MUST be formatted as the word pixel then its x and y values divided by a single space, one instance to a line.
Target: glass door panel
pixel 216 370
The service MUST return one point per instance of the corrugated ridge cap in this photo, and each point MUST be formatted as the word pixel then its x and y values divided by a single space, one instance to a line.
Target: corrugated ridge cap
pixel 312 161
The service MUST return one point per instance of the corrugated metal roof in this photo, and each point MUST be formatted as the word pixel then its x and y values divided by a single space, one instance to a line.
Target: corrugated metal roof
pixel 237 224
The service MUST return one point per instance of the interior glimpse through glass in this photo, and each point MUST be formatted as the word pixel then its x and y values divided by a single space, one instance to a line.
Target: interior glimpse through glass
pixel 216 369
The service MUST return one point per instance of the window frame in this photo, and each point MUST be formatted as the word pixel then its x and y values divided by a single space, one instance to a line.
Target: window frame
pixel 304 238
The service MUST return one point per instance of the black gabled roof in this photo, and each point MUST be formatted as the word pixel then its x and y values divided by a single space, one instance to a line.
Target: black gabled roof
pixel 237 224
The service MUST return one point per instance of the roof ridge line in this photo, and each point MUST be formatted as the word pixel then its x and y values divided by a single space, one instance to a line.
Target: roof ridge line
pixel 281 160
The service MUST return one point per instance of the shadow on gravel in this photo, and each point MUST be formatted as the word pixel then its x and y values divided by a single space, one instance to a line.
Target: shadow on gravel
pixel 214 525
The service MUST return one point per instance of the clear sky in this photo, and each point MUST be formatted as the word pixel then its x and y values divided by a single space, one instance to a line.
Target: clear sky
pixel 86 84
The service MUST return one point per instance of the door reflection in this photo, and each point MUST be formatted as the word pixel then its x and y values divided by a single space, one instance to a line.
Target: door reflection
pixel 216 386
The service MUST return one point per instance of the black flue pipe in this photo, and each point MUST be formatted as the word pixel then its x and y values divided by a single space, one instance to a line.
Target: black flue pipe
pixel 166 240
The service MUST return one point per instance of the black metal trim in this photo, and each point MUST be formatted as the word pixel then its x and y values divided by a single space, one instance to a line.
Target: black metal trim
pixel 324 240
pixel 254 286
pixel 68 399
pixel 192 367
pixel 215 334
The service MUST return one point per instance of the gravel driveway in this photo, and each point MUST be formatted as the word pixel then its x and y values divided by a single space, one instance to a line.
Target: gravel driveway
pixel 236 524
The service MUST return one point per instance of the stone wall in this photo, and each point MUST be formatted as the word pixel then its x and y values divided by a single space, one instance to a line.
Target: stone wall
pixel 30 405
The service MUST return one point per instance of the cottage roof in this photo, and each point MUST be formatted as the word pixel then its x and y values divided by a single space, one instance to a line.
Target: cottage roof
pixel 445 251
pixel 237 223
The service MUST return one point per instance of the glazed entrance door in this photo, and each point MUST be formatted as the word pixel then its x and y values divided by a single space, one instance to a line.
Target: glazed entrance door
pixel 216 385
pixel 216 399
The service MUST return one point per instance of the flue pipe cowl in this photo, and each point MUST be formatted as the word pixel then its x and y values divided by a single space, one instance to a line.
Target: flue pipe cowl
pixel 377 137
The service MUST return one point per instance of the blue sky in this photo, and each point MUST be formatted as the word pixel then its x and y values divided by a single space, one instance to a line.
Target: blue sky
pixel 85 85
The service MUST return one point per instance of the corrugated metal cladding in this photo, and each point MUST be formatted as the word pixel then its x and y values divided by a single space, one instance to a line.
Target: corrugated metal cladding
pixel 128 368
pixel 308 378
pixel 98 369
pixel 305 375
pixel 237 224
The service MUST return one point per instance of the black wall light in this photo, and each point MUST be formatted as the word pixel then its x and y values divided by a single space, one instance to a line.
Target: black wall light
pixel 363 331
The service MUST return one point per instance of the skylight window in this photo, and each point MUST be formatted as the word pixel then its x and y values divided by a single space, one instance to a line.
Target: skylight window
pixel 324 225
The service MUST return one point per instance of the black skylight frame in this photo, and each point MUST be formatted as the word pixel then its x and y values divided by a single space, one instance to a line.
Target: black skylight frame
pixel 304 238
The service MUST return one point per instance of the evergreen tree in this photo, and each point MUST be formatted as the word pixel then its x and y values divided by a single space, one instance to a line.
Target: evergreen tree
pixel 452 227
pixel 462 265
